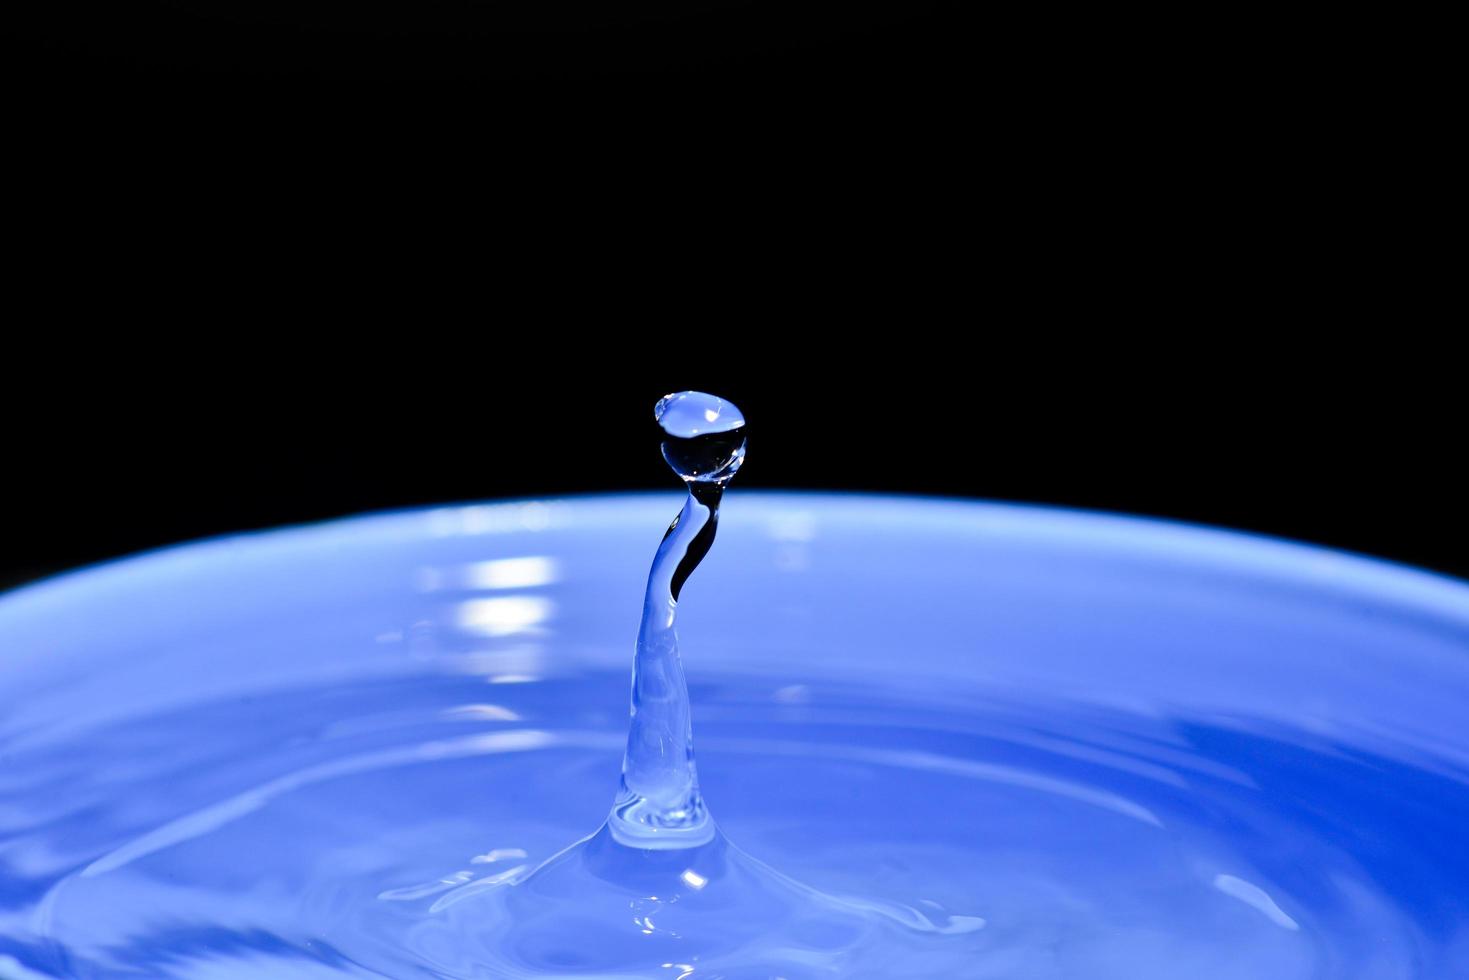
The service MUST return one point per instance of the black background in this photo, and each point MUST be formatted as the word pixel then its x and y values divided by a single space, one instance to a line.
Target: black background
pixel 1281 455
pixel 279 262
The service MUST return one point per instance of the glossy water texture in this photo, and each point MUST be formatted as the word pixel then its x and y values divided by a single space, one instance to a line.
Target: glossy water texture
pixel 659 886
pixel 658 802
pixel 1135 750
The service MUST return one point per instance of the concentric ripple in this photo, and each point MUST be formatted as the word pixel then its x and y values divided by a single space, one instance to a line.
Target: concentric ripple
pixel 944 740
pixel 1080 840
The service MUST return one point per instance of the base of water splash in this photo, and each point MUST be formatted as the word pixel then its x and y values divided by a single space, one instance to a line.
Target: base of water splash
pixel 602 906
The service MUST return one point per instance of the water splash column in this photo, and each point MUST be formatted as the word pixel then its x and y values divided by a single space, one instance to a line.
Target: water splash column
pixel 659 805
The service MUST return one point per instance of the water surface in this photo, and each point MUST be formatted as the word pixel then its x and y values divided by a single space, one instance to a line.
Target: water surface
pixel 1132 750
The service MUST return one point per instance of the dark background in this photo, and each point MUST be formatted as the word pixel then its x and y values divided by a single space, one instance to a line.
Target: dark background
pixel 279 262
pixel 478 66
pixel 1279 454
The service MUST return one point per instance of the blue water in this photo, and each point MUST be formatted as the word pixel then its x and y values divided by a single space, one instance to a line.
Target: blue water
pixel 659 805
pixel 1106 748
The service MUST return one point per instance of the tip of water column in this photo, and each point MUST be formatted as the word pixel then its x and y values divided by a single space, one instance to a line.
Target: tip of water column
pixel 703 436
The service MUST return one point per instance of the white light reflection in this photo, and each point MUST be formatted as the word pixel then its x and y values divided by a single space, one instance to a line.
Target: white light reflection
pixel 523 572
pixel 504 615
pixel 694 880
pixel 479 712
pixel 1254 896
pixel 494 519
pixel 527 572
pixel 511 877
pixel 498 854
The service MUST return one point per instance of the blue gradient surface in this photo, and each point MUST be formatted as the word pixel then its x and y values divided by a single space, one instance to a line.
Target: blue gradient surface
pixel 1132 749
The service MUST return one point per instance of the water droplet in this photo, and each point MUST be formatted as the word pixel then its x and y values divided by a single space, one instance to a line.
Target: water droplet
pixel 703 436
